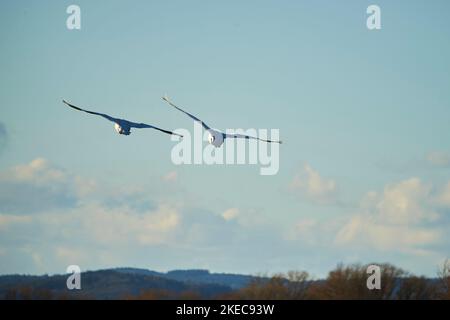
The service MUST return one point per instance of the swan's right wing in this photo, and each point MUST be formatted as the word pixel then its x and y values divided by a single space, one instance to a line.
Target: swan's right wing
pixel 243 136
pixel 144 125
pixel 92 112
pixel 165 98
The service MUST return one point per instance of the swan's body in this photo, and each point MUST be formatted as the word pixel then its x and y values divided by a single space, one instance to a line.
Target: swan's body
pixel 122 126
pixel 216 138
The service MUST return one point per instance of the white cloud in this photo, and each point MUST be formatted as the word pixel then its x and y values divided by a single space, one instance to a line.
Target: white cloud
pixel 311 185
pixel 401 218
pixel 125 225
pixel 305 230
pixel 7 220
pixel 171 176
pixel 407 202
pixel 54 199
pixel 444 197
pixel 40 186
pixel 40 172
pixel 37 171
pixel 439 158
pixel 230 214
pixel 373 233
pixel 305 225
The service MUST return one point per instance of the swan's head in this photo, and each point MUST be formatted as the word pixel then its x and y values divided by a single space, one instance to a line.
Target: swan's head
pixel 215 138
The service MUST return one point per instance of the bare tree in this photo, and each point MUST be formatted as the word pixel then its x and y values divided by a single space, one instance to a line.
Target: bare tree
pixel 298 284
pixel 350 282
pixel 291 286
pixel 416 288
pixel 444 280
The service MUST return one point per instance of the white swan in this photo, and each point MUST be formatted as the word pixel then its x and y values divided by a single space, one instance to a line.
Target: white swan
pixel 120 125
pixel 216 138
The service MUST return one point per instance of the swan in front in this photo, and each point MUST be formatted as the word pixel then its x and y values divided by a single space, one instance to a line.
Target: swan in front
pixel 217 138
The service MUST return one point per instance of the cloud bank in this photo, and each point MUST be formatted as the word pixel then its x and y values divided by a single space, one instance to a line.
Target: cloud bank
pixel 310 185
pixel 51 218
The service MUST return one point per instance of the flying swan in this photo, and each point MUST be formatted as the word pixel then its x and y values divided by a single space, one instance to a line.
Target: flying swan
pixel 216 138
pixel 120 125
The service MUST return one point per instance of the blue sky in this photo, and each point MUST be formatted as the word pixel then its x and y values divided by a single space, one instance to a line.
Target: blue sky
pixel 364 170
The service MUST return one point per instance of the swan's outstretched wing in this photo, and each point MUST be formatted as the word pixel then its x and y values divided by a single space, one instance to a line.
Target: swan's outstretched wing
pixel 92 112
pixel 243 136
pixel 187 113
pixel 143 126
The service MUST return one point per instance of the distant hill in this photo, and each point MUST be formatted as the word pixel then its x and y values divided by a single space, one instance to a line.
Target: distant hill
pixel 197 276
pixel 121 283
